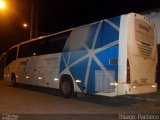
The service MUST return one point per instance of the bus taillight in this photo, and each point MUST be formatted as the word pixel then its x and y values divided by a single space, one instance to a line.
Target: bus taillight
pixel 128 72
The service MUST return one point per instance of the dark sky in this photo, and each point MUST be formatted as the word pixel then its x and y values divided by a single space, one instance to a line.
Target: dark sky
pixel 58 15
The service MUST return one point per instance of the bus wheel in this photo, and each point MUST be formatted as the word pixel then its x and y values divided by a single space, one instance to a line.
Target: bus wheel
pixel 13 79
pixel 66 87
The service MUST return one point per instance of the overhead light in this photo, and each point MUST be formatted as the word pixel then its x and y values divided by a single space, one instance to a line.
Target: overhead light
pixel 2 4
pixel 25 25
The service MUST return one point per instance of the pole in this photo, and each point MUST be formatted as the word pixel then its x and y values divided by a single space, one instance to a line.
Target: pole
pixel 36 29
pixel 31 28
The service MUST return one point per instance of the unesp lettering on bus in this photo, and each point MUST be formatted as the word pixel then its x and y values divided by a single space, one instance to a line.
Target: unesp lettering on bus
pixel 147 29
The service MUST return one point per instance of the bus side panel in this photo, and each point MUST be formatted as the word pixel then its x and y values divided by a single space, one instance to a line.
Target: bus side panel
pixel 122 61
pixel 90 49
pixel 39 70
pixel 76 59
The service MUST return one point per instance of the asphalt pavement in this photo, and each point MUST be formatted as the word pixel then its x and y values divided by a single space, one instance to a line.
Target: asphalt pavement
pixel 27 103
pixel 151 97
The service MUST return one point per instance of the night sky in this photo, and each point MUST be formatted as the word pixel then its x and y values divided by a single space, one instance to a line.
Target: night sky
pixel 58 15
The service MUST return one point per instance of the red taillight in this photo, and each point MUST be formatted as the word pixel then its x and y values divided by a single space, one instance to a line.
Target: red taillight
pixel 128 72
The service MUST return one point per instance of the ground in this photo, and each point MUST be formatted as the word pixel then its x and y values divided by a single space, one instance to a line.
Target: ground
pixel 26 101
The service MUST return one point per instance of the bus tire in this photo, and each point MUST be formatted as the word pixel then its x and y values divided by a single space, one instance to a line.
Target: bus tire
pixel 13 79
pixel 66 86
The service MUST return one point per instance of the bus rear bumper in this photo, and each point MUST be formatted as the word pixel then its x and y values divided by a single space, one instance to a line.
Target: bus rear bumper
pixel 140 89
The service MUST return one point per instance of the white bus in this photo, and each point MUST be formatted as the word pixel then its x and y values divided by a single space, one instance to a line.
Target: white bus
pixel 111 57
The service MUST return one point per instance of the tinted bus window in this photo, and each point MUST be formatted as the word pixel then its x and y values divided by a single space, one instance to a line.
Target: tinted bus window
pixel 25 50
pixel 52 44
pixel 41 47
pixel 28 49
pixel 11 55
pixel 55 44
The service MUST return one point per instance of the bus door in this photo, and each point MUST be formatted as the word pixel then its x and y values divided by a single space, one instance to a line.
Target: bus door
pixel 11 64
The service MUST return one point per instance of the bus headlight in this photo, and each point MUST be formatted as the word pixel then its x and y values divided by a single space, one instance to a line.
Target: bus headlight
pixel 27 77
pixel 114 84
pixel 55 79
pixel 40 78
pixel 134 87
pixel 78 81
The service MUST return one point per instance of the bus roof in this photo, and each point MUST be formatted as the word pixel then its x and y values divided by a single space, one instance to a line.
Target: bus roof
pixel 41 37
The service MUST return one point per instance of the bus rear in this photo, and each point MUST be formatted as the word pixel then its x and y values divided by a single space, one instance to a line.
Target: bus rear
pixel 137 55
